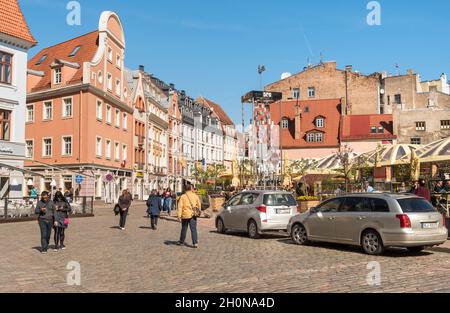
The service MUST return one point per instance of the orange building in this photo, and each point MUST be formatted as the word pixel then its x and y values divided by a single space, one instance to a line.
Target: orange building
pixel 79 117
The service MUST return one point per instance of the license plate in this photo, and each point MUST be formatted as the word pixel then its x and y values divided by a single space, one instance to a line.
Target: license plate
pixel 429 225
pixel 282 211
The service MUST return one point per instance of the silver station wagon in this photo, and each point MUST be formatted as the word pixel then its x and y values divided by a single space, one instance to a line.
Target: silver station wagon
pixel 372 221
pixel 256 212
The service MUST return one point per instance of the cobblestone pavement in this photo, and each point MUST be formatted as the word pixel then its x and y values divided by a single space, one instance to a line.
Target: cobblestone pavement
pixel 141 260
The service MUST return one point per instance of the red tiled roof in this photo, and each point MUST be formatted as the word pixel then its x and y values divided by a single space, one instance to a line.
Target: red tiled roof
pixel 89 46
pixel 357 127
pixel 224 118
pixel 12 21
pixel 311 109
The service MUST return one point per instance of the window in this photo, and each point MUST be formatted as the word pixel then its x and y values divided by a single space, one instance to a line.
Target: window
pixel 296 93
pixel 285 123
pixel 319 137
pixel 330 206
pixel 57 75
pixel 379 205
pixel 42 59
pixel 110 84
pixel 416 141
pixel 98 146
pixel 5 124
pixel 373 130
pixel 416 206
pixel 30 113
pixel 100 77
pixel 314 137
pixel 48 111
pixel 74 51
pixel 277 199
pixel 421 126
pixel 108 114
pixel 248 198
pixel 445 124
pixel 67 146
pixel 311 92
pixel 306 110
pixel 124 152
pixel 99 110
pixel 398 99
pixel 110 54
pixel 381 130
pixel 117 87
pixel 116 151
pixel 125 121
pixel 47 147
pixel 29 152
pixel 355 205
pixel 67 107
pixel 310 137
pixel 320 122
pixel 118 61
pixel 108 149
pixel 5 67
pixel 117 118
pixel 125 93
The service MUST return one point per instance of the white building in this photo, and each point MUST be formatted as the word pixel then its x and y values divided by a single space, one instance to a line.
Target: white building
pixel 15 41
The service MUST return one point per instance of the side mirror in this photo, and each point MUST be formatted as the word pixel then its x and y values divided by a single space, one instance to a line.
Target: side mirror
pixel 313 210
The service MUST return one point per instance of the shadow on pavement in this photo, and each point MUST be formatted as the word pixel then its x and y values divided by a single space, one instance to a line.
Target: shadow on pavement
pixel 390 252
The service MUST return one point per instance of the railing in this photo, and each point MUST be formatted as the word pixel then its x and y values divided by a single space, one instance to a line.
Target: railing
pixel 22 209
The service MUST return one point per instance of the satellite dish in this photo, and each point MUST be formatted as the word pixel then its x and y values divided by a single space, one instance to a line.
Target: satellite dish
pixel 286 75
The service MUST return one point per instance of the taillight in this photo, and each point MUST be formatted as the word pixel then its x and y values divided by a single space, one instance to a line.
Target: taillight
pixel 262 208
pixel 405 222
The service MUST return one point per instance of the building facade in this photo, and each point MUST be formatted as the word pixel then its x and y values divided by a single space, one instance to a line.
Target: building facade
pixel 15 41
pixel 80 114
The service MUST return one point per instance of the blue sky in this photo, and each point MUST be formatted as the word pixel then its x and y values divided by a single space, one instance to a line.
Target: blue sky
pixel 213 47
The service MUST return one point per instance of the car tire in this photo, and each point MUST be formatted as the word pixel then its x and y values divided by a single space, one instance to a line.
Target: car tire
pixel 221 226
pixel 252 230
pixel 299 235
pixel 416 249
pixel 371 243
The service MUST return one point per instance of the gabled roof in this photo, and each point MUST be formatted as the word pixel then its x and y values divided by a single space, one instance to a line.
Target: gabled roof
pixel 224 118
pixel 88 47
pixel 12 21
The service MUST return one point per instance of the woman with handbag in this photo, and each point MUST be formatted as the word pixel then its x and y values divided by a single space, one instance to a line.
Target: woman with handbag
pixel 189 209
pixel 62 211
pixel 124 204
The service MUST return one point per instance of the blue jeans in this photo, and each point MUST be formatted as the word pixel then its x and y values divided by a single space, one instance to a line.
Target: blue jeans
pixel 46 232
pixel 192 224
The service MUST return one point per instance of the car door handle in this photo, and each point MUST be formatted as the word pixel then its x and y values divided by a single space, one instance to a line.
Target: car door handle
pixel 361 218
pixel 332 218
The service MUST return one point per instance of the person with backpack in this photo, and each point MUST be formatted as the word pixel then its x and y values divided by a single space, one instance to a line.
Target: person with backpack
pixel 154 207
pixel 45 209
pixel 63 209
pixel 189 209
pixel 124 204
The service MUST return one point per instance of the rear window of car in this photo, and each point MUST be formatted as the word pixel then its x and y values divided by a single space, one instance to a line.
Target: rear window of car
pixel 279 199
pixel 416 206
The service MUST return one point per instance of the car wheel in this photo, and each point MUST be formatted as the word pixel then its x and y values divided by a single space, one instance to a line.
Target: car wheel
pixel 253 230
pixel 221 226
pixel 371 243
pixel 416 249
pixel 299 235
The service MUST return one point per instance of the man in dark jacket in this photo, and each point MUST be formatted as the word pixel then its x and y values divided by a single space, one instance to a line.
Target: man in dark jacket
pixel 124 203
pixel 45 209
pixel 154 207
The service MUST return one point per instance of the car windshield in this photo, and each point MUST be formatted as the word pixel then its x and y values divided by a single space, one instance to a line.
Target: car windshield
pixel 279 199
pixel 416 206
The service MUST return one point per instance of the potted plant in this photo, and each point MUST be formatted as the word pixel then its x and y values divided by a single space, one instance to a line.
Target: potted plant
pixel 305 203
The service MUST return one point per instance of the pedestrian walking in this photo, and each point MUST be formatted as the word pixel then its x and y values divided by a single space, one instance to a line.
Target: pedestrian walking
pixel 62 211
pixel 124 204
pixel 189 209
pixel 423 190
pixel 45 209
pixel 168 201
pixel 154 207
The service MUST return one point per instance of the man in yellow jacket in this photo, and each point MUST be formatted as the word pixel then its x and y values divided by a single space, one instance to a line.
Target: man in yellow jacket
pixel 186 214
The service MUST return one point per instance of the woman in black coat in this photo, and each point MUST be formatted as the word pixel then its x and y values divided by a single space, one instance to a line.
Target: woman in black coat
pixel 62 211
pixel 154 207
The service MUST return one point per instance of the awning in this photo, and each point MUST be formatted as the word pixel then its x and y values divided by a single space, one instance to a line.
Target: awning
pixel 21 170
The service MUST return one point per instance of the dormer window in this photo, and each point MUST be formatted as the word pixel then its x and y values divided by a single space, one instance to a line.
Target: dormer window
pixel 320 122
pixel 42 59
pixel 285 123
pixel 314 136
pixel 57 75
pixel 75 51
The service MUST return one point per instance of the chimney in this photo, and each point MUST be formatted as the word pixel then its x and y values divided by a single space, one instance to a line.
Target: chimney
pixel 410 72
pixel 142 68
pixel 349 68
pixel 298 120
